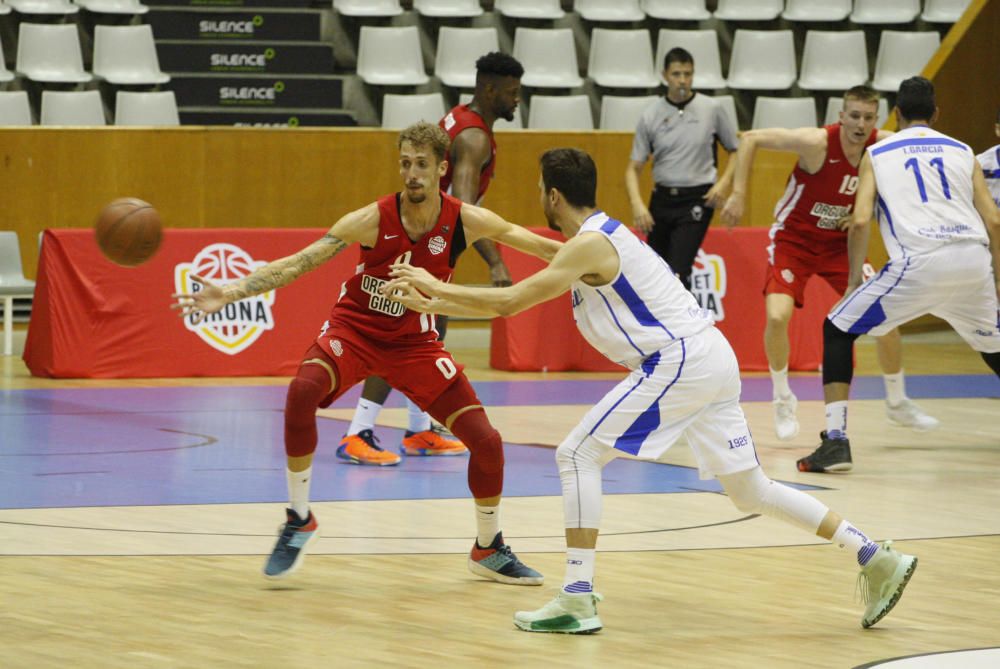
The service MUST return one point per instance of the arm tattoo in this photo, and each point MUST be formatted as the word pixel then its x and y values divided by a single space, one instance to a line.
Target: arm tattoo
pixel 283 272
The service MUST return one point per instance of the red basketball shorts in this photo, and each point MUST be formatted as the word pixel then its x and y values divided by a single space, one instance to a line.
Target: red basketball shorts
pixel 421 370
pixel 790 266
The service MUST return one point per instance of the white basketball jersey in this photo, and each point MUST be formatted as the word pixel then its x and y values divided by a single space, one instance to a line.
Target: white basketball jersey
pixel 645 308
pixel 924 181
pixel 990 162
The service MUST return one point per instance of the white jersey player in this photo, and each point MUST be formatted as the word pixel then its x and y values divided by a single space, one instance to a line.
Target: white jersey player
pixel 683 380
pixel 990 162
pixel 942 231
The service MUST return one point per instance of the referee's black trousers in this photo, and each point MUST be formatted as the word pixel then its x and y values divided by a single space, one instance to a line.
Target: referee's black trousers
pixel 680 222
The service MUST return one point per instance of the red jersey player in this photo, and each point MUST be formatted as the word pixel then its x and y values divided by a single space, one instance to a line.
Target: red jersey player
pixel 471 165
pixel 369 334
pixel 808 239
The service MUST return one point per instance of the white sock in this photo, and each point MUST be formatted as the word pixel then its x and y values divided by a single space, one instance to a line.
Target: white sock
pixel 579 570
pixel 779 381
pixel 895 388
pixel 298 491
pixel 419 421
pixel 487 524
pixel 849 537
pixel 836 420
pixel 364 416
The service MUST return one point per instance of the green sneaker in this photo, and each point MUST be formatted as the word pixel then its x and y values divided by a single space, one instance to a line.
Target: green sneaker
pixel 566 614
pixel 882 581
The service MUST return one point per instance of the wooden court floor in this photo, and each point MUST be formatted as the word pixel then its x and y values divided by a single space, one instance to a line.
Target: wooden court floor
pixel 688 581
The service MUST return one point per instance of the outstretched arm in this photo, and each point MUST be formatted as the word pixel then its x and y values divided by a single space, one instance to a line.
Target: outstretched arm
pixel 360 225
pixel 470 152
pixel 484 224
pixel 859 229
pixel 587 254
pixel 803 141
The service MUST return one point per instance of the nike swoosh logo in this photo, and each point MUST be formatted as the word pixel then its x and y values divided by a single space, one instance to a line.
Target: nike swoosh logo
pixel 391 236
pixel 834 160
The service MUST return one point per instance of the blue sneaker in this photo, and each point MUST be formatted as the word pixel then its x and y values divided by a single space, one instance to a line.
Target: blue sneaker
pixel 498 562
pixel 290 550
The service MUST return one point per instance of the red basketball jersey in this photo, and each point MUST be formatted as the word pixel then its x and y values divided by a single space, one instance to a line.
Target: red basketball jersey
pixel 454 122
pixel 808 212
pixel 361 306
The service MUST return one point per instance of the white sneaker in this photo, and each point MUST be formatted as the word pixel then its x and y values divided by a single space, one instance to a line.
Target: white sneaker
pixel 908 414
pixel 882 581
pixel 786 425
pixel 566 614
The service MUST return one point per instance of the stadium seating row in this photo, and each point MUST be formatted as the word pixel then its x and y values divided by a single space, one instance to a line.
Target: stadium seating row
pixel 51 53
pixel 573 112
pixel 860 11
pixel 760 59
pixel 85 108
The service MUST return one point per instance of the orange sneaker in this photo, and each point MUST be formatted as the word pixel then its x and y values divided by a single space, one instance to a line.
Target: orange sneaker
pixel 362 449
pixel 431 442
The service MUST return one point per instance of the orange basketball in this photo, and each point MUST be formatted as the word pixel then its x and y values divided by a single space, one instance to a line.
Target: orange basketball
pixel 128 231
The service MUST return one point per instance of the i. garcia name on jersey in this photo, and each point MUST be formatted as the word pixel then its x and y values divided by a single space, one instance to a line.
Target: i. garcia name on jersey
pixel 376 300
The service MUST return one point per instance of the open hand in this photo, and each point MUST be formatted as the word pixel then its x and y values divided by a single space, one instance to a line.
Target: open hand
pixel 199 304
pixel 416 277
pixel 402 291
pixel 642 219
pixel 733 211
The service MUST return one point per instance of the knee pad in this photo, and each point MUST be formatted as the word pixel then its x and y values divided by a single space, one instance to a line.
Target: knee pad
pixel 578 453
pixel 747 490
pixel 305 393
pixel 485 452
pixel 838 354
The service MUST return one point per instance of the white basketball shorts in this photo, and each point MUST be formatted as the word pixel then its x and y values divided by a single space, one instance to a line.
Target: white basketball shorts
pixel 954 283
pixel 693 388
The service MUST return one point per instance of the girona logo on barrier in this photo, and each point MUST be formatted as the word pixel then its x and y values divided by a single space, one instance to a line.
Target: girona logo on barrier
pixel 238 325
pixel 708 283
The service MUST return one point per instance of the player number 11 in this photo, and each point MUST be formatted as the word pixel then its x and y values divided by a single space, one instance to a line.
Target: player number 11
pixel 937 163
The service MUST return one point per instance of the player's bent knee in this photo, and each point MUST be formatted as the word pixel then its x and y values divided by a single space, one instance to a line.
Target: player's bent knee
pixel 576 454
pixel 838 354
pixel 304 396
pixel 747 489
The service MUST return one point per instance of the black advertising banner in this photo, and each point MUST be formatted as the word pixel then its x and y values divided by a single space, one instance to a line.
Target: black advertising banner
pixel 255 57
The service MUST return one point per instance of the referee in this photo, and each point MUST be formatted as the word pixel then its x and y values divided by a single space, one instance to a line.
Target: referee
pixel 680 132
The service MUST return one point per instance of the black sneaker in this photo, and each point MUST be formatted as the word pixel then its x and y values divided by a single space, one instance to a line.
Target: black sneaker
pixel 498 562
pixel 290 550
pixel 833 455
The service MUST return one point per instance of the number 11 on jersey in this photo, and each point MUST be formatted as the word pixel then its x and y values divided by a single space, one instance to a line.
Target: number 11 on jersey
pixel 937 163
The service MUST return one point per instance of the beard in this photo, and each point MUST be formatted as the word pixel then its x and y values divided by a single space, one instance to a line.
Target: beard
pixel 415 197
pixel 507 114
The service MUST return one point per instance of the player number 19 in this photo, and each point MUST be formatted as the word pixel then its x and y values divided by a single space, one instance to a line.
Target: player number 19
pixel 848 185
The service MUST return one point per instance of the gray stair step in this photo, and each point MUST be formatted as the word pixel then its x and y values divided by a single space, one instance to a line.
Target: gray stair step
pixel 192 23
pixel 266 117
pixel 258 90
pixel 263 57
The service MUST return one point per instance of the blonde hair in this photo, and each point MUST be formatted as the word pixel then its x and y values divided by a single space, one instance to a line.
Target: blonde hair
pixel 428 135
pixel 861 94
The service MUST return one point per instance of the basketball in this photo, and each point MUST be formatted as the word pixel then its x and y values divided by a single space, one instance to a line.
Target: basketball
pixel 128 231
